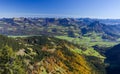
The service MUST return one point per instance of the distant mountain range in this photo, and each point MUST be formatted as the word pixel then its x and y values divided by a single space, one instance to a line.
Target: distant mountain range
pixel 105 21
pixel 61 26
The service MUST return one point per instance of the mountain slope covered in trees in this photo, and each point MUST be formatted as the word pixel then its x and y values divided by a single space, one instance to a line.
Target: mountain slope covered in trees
pixel 44 55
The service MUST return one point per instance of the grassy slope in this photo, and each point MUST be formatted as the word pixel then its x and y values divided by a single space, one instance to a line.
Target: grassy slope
pixel 88 41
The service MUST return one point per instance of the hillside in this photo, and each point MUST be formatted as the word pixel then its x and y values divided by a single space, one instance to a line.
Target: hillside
pixel 113 59
pixel 44 55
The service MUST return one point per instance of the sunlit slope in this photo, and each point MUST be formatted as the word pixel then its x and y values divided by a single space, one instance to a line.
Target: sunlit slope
pixel 60 56
pixel 45 55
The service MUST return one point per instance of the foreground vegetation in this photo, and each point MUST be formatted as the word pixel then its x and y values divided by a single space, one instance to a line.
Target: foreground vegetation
pixel 44 55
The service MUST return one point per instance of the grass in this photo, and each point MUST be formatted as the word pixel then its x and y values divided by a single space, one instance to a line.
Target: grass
pixel 13 36
pixel 88 41
pixel 92 52
pixel 89 52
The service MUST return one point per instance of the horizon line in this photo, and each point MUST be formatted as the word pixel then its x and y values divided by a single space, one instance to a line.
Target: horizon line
pixel 29 15
pixel 58 17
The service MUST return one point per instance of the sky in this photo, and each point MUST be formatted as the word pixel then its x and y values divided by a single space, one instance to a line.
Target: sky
pixel 60 8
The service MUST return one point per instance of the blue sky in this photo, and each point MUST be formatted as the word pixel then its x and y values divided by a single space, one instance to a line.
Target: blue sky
pixel 60 8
